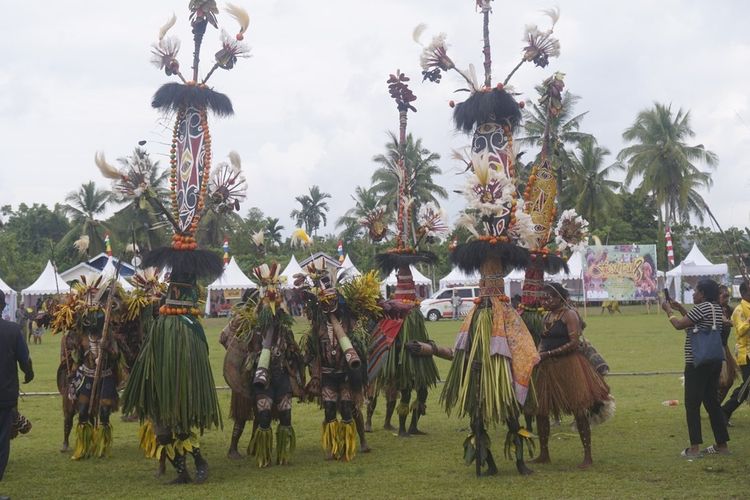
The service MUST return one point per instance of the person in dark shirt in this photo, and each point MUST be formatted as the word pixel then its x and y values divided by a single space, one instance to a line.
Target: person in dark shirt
pixel 701 382
pixel 13 351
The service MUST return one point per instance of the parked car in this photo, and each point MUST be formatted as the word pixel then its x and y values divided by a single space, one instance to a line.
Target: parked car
pixel 440 305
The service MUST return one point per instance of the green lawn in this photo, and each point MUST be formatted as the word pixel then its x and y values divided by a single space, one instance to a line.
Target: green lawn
pixel 635 453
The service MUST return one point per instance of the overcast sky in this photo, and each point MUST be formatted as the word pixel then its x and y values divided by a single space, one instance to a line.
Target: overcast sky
pixel 312 105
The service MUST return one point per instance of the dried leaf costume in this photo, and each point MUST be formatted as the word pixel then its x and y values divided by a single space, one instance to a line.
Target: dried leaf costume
pixel 335 350
pixel 91 365
pixel 275 364
pixel 238 374
pixel 171 383
pixel 490 376
pixel 389 364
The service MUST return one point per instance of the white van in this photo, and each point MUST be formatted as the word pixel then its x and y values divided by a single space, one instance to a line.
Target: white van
pixel 440 305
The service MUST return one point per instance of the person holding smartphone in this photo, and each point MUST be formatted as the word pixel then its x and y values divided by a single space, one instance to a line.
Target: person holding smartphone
pixel 701 382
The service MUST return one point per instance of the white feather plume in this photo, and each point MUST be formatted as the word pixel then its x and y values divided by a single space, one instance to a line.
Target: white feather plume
pixel 107 170
pixel 417 33
pixel 167 26
pixel 82 244
pixel 469 222
pixel 553 14
pixel 235 161
pixel 240 15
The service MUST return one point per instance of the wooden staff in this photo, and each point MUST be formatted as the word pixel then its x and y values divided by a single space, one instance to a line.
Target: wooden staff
pixel 105 336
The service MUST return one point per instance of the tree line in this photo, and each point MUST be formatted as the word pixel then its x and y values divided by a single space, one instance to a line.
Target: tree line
pixel 655 180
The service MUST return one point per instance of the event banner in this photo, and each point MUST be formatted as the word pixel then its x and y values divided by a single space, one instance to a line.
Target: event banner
pixel 620 272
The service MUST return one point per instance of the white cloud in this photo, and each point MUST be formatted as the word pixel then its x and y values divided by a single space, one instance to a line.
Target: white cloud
pixel 312 105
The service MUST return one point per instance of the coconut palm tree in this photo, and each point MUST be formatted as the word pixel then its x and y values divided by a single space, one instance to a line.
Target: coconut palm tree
pixel 273 231
pixel 83 206
pixel 665 164
pixel 564 134
pixel 589 185
pixel 313 210
pixel 421 168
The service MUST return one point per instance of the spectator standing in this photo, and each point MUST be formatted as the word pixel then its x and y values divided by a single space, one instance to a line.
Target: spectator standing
pixel 13 351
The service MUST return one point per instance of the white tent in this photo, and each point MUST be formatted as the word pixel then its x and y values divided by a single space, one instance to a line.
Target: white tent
pixel 694 265
pixel 289 271
pixel 419 280
pixel 231 279
pixel 48 283
pixel 11 301
pixel 110 271
pixel 348 270
pixel 459 278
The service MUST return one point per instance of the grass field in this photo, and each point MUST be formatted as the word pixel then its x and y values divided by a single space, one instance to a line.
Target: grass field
pixel 636 454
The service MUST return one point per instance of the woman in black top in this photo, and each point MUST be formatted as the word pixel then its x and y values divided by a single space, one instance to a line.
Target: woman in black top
pixel 565 381
pixel 701 382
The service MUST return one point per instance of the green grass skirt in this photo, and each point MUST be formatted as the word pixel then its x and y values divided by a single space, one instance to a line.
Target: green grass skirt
pixel 402 370
pixel 491 388
pixel 171 382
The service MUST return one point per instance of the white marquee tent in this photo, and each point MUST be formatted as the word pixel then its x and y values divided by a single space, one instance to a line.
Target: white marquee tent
pixel 459 278
pixel 693 266
pixel 110 271
pixel 231 279
pixel 11 300
pixel 419 280
pixel 48 283
pixel 348 270
pixel 289 271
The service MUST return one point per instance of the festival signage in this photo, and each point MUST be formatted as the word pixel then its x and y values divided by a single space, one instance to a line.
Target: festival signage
pixel 620 272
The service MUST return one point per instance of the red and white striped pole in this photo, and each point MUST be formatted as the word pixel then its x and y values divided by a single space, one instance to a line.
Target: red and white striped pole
pixel 670 249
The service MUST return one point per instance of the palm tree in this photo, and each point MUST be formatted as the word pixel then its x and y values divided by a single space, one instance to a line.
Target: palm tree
pixel 215 225
pixel 665 163
pixel 313 210
pixel 589 184
pixel 273 231
pixel 366 201
pixel 563 133
pixel 420 170
pixel 82 207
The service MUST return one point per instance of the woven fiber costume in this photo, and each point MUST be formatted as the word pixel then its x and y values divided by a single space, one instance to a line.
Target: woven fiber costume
pixel 389 364
pixel 335 350
pixel 490 376
pixel 90 369
pixel 275 365
pixel 171 383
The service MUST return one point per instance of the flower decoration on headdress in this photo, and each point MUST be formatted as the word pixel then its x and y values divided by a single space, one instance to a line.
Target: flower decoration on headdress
pixel 203 10
pixel 572 231
pixel 300 238
pixel 227 186
pixel 149 289
pixel 434 57
pixel 165 56
pixel 400 91
pixel 431 222
pixel 487 189
pixel 319 281
pixel 376 224
pixel 231 49
pixel 270 280
pixel 131 181
pixel 541 45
